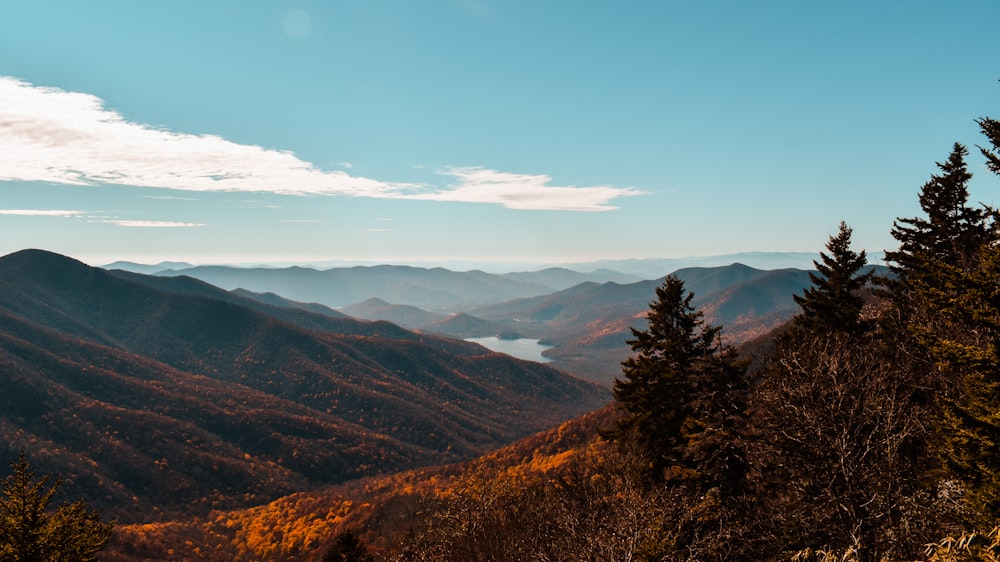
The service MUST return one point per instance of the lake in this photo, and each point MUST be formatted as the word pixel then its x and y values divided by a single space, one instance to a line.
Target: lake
pixel 522 348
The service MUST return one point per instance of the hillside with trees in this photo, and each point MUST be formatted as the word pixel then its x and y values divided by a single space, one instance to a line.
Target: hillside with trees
pixel 153 397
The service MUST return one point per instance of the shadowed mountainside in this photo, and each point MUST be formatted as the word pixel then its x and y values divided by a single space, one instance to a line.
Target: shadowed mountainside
pixel 111 379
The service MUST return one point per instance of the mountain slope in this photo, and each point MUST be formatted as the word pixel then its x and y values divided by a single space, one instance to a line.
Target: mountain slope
pixel 467 326
pixel 137 438
pixel 302 526
pixel 404 315
pixel 413 399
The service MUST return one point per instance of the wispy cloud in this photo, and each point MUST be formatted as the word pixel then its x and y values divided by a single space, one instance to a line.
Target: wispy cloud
pixel 98 218
pixel 170 198
pixel 51 135
pixel 153 224
pixel 525 191
pixel 40 212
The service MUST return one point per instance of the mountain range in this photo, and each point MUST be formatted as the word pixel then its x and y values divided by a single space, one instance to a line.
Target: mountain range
pixel 154 396
pixel 618 270
pixel 587 318
pixel 436 289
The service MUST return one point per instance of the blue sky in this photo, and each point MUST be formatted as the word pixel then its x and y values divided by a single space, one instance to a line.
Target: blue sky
pixel 519 130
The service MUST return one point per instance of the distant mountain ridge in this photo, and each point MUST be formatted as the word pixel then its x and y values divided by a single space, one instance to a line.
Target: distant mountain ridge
pixel 587 322
pixel 436 289
pixel 107 376
pixel 626 270
pixel 147 269
pixel 405 315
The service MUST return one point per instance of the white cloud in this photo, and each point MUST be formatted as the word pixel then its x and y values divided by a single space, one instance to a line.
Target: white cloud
pixel 51 135
pixel 525 191
pixel 40 212
pixel 153 224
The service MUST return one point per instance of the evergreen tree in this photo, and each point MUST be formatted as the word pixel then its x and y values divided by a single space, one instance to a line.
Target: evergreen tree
pixel 684 399
pixel 951 233
pixel 935 281
pixel 835 301
pixel 683 393
pixel 991 129
pixel 971 346
pixel 347 547
pixel 29 534
pixel 947 299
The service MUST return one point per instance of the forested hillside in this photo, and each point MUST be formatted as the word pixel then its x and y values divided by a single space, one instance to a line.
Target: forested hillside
pixel 162 396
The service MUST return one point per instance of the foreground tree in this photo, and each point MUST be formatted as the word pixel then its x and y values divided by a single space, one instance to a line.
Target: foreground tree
pixel 842 458
pixel 682 392
pixel 947 313
pixel 835 300
pixel 950 232
pixel 590 504
pixel 966 301
pixel 28 533
pixel 683 395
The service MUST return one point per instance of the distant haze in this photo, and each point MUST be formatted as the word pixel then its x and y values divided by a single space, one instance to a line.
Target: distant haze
pixel 651 268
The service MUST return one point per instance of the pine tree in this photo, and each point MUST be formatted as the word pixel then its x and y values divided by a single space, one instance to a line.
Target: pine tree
pixel 972 421
pixel 684 398
pixel 952 232
pixel 936 280
pixel 947 298
pixel 991 129
pixel 28 533
pixel 835 301
pixel 682 393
